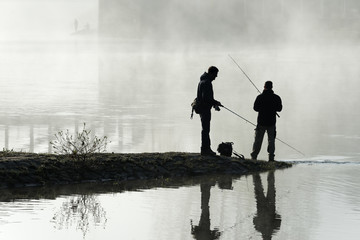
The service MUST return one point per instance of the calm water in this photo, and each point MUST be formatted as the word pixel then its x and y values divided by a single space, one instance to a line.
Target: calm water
pixel 305 202
pixel 141 102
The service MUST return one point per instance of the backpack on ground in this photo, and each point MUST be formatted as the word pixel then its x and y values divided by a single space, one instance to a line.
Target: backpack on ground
pixel 225 149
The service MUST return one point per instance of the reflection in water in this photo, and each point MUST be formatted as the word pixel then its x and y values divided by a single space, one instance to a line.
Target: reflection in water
pixel 148 209
pixel 79 211
pixel 266 221
pixel 202 231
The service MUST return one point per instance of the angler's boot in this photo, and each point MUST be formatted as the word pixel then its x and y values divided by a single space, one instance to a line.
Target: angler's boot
pixel 208 152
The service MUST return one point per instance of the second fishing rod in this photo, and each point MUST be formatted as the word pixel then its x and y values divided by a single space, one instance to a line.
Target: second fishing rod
pixel 247 76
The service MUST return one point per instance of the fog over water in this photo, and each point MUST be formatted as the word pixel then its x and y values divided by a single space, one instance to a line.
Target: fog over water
pixel 130 70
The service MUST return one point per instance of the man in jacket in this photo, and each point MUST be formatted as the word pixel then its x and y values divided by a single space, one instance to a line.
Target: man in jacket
pixel 205 96
pixel 266 104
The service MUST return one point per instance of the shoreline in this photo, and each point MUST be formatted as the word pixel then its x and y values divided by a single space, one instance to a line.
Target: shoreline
pixel 18 169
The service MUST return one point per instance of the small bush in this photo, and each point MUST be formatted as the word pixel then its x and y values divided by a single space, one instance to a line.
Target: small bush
pixel 79 147
pixel 7 152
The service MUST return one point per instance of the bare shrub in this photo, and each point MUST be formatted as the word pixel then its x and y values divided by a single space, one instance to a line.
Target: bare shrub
pixel 79 147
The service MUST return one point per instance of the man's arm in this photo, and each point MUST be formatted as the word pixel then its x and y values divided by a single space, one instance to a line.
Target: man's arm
pixel 208 96
pixel 257 104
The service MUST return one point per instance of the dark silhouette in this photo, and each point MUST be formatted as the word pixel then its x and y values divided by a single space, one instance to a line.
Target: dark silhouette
pixel 203 231
pixel 225 183
pixel 266 104
pixel 205 96
pixel 266 221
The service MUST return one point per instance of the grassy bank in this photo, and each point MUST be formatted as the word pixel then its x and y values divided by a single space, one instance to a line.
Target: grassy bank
pixel 18 169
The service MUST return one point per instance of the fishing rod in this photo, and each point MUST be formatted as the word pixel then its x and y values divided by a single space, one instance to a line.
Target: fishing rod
pixel 239 116
pixel 247 77
pixel 244 73
pixel 255 126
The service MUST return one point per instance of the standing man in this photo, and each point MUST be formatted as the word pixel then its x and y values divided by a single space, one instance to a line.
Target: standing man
pixel 205 96
pixel 266 104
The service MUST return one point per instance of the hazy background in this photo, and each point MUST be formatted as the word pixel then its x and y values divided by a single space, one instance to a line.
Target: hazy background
pixel 130 71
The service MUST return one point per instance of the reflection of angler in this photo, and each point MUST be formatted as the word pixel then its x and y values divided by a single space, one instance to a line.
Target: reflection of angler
pixel 266 221
pixel 202 231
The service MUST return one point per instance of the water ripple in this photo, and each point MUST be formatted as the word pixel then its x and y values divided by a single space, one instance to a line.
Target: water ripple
pixel 327 160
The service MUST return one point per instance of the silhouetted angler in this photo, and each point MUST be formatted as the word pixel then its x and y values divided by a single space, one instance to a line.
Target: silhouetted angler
pixel 205 96
pixel 266 104
pixel 203 231
pixel 267 221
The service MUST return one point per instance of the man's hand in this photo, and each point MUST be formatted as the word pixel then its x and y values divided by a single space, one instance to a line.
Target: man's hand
pixel 217 106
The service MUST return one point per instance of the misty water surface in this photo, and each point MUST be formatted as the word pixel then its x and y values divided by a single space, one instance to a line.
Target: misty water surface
pixel 132 77
pixel 139 99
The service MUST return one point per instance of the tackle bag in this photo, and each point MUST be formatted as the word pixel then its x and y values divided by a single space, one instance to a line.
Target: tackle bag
pixel 196 107
pixel 225 149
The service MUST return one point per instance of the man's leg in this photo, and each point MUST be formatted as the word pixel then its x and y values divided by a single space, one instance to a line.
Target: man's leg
pixel 259 135
pixel 271 132
pixel 205 132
